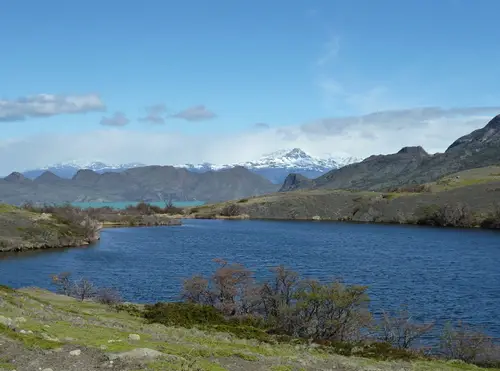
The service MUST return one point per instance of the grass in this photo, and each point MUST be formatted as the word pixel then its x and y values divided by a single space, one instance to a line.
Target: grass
pixel 187 349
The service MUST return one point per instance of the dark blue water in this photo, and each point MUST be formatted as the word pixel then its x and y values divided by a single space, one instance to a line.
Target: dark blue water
pixel 441 274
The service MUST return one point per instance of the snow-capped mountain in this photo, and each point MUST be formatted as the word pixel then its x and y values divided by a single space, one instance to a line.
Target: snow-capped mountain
pixel 277 165
pixel 69 169
pixel 274 166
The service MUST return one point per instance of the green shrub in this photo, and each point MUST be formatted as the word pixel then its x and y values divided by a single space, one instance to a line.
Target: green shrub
pixel 243 332
pixel 183 314
pixel 131 309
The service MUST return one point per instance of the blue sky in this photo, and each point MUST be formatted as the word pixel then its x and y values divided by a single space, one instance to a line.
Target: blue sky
pixel 215 69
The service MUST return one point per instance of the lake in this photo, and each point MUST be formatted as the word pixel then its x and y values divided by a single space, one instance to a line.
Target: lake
pixel 441 274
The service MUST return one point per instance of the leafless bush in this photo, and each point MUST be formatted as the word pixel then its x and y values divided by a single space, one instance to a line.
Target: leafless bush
pixel 230 289
pixel 63 283
pixel 400 330
pixel 463 342
pixel 230 210
pixel 303 308
pixel 277 296
pixel 108 296
pixel 83 289
pixel 492 221
pixel 450 215
pixel 196 290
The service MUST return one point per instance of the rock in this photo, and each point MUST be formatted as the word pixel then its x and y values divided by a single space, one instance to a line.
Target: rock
pixel 6 321
pixel 20 320
pixel 134 337
pixel 49 338
pixel 139 353
pixel 75 352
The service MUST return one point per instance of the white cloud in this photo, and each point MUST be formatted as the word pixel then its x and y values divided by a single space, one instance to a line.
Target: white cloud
pixel 48 105
pixel 378 133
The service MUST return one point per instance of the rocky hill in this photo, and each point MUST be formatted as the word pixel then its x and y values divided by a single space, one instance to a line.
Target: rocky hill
pixel 411 165
pixel 148 183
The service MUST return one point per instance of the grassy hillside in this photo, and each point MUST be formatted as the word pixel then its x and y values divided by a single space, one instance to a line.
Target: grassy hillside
pixel 40 330
pixel 21 229
pixel 30 227
pixel 475 192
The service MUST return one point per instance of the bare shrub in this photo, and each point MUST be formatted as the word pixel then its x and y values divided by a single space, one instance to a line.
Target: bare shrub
pixel 492 221
pixel 231 289
pixel 450 215
pixel 400 330
pixel 196 290
pixel 108 296
pixel 83 289
pixel 63 283
pixel 463 342
pixel 230 210
pixel 277 296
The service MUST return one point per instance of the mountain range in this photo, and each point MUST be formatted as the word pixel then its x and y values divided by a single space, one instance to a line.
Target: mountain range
pixel 147 183
pixel 273 166
pixel 411 165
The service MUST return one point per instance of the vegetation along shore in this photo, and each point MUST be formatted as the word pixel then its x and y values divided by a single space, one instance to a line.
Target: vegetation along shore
pixel 39 227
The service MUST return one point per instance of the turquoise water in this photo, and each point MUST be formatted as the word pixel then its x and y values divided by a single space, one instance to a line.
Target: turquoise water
pixel 124 204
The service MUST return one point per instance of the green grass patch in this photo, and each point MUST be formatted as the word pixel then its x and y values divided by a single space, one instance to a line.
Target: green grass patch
pixel 5 208
pixel 30 341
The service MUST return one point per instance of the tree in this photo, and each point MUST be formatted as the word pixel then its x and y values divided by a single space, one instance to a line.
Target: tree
pixel 463 342
pixel 84 289
pixel 400 330
pixel 108 296
pixel 63 283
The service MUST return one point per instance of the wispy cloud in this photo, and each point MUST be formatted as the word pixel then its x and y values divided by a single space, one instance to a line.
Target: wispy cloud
pixel 118 119
pixel 195 113
pixel 261 125
pixel 48 105
pixel 330 51
pixel 155 114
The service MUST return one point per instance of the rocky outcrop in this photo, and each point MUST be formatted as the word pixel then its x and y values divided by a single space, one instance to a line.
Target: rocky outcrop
pixel 295 181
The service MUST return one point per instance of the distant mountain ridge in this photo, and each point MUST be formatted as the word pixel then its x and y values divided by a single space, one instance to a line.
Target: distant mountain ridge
pixel 147 183
pixel 69 169
pixel 274 166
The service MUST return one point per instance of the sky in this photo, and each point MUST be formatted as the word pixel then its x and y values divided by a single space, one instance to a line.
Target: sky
pixel 223 81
